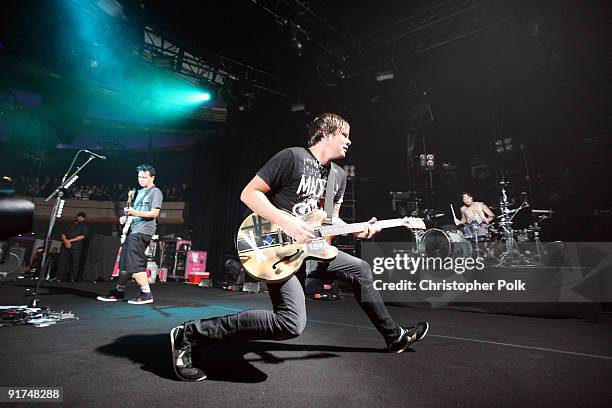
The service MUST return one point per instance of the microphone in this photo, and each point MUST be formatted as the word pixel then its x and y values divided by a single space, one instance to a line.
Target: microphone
pixel 99 156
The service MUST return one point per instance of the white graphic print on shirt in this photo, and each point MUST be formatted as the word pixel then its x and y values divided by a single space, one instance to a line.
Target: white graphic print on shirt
pixel 311 187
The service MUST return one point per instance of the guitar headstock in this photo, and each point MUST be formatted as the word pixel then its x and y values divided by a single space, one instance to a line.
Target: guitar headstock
pixel 414 223
pixel 130 197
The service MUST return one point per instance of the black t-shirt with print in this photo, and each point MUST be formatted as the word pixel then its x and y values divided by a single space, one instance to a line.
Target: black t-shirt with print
pixel 297 181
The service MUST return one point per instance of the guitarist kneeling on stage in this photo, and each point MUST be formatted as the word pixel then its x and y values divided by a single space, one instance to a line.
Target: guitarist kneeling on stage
pixel 141 221
pixel 289 185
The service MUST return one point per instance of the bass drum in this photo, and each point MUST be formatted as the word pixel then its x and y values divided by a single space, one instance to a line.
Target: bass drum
pixel 442 244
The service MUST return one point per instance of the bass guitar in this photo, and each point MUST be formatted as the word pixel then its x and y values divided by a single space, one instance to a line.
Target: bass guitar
pixel 129 218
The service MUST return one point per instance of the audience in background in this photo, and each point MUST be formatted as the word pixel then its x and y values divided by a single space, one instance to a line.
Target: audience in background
pixel 43 186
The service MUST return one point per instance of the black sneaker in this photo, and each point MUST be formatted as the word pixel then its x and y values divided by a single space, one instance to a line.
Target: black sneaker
pixel 408 336
pixel 181 357
pixel 142 299
pixel 113 296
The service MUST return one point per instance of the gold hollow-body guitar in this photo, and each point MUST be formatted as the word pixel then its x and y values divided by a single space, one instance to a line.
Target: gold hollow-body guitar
pixel 267 253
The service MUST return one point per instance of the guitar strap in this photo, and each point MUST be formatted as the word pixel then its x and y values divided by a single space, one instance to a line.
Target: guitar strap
pixel 137 203
pixel 142 198
pixel 329 195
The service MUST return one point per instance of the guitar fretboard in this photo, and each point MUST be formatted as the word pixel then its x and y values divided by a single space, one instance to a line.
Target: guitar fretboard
pixel 331 230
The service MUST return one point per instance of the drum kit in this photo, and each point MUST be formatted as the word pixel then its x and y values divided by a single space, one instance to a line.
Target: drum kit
pixel 496 242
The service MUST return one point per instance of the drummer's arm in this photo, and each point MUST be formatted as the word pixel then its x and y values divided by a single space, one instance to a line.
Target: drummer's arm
pixel 488 213
pixel 463 220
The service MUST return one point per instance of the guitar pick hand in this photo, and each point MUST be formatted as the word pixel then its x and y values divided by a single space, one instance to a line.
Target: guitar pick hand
pixel 129 211
pixel 298 229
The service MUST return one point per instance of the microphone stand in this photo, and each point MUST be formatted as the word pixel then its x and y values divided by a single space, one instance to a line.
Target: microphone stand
pixel 67 181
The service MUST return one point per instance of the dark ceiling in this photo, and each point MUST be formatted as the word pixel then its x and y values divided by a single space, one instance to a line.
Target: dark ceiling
pixel 339 39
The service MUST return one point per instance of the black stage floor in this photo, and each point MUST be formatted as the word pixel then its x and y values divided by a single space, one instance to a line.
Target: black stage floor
pixel 118 355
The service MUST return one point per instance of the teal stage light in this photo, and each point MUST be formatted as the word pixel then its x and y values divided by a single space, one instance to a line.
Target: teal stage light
pixel 202 97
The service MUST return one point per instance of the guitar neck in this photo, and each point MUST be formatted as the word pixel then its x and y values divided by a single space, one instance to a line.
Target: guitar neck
pixel 331 230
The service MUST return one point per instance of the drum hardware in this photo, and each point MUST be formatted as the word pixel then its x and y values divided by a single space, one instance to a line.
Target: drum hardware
pixel 535 228
pixel 477 232
pixel 511 254
pixel 418 240
pixel 438 243
pixel 429 214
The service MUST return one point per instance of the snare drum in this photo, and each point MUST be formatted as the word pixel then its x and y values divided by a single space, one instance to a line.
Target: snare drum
pixel 477 230
pixel 438 243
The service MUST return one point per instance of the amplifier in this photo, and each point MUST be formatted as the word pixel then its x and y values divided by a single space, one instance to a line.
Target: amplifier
pixel 12 266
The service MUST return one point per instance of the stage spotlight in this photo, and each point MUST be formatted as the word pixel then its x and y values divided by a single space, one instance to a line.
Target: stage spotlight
pixel 508 144
pixel 203 94
pixel 498 146
pixel 428 161
pixel 297 107
pixel 384 76
pixel 431 162
pixel 298 37
pixel 201 97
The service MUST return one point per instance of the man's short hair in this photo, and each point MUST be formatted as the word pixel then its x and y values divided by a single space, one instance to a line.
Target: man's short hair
pixel 467 193
pixel 324 125
pixel 147 167
pixel 82 214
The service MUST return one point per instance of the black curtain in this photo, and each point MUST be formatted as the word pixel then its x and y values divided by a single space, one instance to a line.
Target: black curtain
pixel 222 167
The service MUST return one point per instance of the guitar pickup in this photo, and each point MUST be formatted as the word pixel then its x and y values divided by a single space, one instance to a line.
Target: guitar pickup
pixel 284 239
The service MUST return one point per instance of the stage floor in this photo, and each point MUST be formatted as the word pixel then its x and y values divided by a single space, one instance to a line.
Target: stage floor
pixel 118 354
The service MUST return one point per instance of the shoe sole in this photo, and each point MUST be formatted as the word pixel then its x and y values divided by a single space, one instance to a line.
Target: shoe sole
pixel 424 332
pixel 140 302
pixel 103 299
pixel 174 356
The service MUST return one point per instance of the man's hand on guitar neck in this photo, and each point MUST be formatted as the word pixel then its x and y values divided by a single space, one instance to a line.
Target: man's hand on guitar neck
pixel 370 230
pixel 297 229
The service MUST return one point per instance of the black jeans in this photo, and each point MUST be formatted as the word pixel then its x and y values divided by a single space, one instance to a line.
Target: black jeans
pixel 288 317
pixel 69 262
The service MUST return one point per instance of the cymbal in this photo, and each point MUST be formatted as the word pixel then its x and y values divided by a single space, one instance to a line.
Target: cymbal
pixel 546 212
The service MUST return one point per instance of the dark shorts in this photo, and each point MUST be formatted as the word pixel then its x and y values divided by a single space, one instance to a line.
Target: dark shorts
pixel 133 258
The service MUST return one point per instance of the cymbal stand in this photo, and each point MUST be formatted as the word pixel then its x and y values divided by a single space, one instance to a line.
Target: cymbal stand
pixel 536 237
pixel 511 255
pixel 418 240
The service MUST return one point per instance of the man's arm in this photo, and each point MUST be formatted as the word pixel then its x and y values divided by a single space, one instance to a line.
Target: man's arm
pixel 463 220
pixel 77 238
pixel 254 196
pixel 370 230
pixel 488 213
pixel 154 213
pixel 65 241
pixel 336 216
pixel 156 204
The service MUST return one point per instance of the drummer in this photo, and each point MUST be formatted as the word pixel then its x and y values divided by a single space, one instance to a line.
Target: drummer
pixel 474 211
